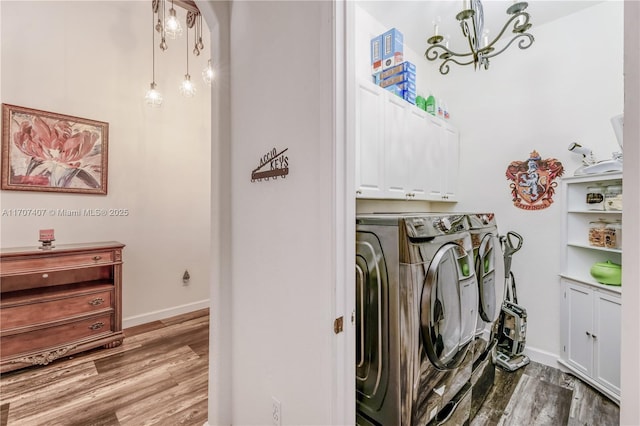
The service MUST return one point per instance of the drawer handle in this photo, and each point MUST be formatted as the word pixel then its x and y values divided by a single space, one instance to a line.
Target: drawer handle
pixel 96 326
pixel 96 258
pixel 45 275
pixel 97 301
pixel 588 334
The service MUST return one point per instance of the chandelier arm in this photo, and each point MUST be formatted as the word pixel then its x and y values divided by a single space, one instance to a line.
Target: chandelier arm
pixel 474 42
pixel 432 54
pixel 459 63
pixel 524 23
pixel 470 38
pixel 444 66
pixel 526 40
pixel 506 25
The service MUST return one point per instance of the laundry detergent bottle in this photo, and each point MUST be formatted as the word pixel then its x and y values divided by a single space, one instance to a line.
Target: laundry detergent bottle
pixel 431 104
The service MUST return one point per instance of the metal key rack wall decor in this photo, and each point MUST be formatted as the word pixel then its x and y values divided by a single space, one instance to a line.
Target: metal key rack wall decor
pixel 272 165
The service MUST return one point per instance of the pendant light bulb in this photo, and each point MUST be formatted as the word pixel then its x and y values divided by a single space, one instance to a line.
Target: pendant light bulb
pixel 172 26
pixel 207 74
pixel 153 97
pixel 187 88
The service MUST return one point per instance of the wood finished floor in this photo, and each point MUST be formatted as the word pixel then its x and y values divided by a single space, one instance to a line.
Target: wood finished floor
pixel 544 396
pixel 159 376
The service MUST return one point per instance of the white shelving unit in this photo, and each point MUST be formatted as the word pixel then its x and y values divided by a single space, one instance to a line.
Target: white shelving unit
pixel 590 324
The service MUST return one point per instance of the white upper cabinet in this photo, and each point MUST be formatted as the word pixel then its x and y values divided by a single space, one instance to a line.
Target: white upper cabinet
pixel 396 153
pixel 443 161
pixel 369 140
pixel 420 138
pixel 401 151
pixel 451 142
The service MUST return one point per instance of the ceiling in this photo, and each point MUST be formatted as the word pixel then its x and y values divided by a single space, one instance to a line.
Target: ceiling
pixel 415 18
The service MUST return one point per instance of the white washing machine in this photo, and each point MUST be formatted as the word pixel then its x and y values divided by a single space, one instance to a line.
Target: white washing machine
pixel 416 317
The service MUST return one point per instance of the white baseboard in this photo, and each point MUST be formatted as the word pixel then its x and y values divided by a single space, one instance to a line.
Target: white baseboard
pixel 542 357
pixel 164 313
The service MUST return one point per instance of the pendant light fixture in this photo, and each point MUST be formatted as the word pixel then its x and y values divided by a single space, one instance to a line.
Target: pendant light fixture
pixel 172 25
pixel 187 88
pixel 153 97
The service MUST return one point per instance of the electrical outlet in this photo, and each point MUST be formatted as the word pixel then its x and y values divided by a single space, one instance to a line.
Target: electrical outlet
pixel 276 412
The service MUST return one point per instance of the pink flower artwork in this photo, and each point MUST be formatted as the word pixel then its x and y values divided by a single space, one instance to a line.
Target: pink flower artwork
pixel 46 151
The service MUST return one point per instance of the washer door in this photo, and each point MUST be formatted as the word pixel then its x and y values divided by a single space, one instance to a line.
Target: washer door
pixel 448 312
pixel 490 272
pixel 372 347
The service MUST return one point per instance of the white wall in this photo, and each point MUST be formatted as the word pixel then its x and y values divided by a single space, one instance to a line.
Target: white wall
pixel 93 60
pixel 283 268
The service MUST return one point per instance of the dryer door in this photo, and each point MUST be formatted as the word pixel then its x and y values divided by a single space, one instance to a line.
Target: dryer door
pixel 372 347
pixel 490 273
pixel 448 311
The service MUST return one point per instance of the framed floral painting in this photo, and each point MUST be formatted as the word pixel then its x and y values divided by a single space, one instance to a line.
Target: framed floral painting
pixel 45 151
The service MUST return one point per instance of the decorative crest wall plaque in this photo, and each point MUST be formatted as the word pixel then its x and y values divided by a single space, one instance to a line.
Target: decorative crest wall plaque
pixel 272 165
pixel 533 181
pixel 46 151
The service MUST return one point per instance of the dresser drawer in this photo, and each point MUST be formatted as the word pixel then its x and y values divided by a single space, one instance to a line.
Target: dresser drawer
pixel 25 311
pixel 62 335
pixel 17 265
pixel 55 278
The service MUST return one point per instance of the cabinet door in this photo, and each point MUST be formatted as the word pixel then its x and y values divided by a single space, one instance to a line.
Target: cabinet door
pixel 419 164
pixel 369 140
pixel 444 147
pixel 396 150
pixel 451 148
pixel 606 336
pixel 436 159
pixel 579 344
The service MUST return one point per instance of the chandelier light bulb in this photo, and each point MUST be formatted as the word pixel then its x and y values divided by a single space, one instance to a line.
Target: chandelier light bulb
pixel 172 26
pixel 207 74
pixel 153 97
pixel 187 88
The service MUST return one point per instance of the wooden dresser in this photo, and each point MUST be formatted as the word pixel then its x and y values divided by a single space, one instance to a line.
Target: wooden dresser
pixel 54 303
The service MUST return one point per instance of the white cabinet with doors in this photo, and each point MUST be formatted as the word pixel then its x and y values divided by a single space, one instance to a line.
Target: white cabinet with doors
pixel 401 151
pixel 591 311
pixel 591 335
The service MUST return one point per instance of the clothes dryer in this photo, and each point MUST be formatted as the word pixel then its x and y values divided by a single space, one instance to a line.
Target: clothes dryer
pixel 416 315
pixel 489 268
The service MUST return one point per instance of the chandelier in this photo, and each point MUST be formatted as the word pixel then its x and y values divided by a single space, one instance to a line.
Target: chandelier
pixel 471 20
pixel 170 27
